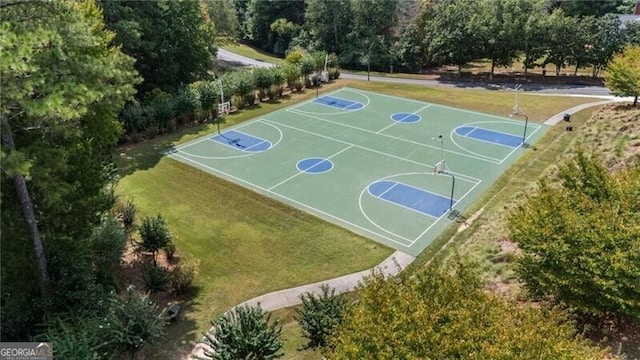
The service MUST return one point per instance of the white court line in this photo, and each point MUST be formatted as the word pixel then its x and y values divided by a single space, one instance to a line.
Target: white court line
pixel 430 226
pixel 489 160
pixel 514 150
pixel 462 176
pixel 384 192
pixel 444 106
pixel 335 107
pixel 395 122
pixel 487 141
pixel 310 101
pixel 303 172
pixel 209 135
pixel 296 202
pixel 408 207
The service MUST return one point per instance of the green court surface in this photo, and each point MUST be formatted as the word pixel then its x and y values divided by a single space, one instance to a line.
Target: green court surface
pixel 365 161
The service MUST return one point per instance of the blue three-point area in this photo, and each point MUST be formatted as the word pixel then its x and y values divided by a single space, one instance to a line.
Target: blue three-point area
pixel 490 136
pixel 410 197
pixel 406 118
pixel 339 103
pixel 314 165
pixel 241 141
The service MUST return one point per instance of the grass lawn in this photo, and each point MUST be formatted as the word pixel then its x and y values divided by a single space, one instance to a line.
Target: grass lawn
pixel 248 244
pixel 252 53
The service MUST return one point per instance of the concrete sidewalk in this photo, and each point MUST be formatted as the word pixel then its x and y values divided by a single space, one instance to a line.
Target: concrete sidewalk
pixel 555 119
pixel 392 265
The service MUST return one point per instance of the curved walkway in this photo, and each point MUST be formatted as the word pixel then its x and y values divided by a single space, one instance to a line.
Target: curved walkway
pixel 392 265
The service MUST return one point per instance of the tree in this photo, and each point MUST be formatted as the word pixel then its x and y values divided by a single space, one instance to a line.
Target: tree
pixel 579 240
pixel 62 87
pixel 244 333
pixel 497 28
pixel 320 315
pixel 372 34
pixel 623 73
pixel 172 41
pixel 225 19
pixel 329 23
pixel 596 8
pixel 532 34
pixel 154 235
pixel 560 40
pixel 453 39
pixel 262 14
pixel 445 314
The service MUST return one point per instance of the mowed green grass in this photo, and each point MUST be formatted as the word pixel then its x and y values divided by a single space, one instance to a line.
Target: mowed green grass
pixel 248 244
pixel 252 53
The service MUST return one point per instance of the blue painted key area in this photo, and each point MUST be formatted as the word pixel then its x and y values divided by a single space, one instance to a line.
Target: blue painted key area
pixel 242 141
pixel 489 136
pixel 314 165
pixel 339 103
pixel 407 196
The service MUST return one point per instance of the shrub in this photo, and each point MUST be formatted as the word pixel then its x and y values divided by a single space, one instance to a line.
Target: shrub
pixel 298 85
pixel 133 321
pixel 170 251
pixel 154 234
pixel 244 333
pixel 320 315
pixel 108 242
pixel 273 92
pixel 334 73
pixel 127 214
pixel 156 279
pixel 183 275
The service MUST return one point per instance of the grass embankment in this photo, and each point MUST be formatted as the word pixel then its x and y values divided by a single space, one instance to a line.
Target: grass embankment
pixel 252 53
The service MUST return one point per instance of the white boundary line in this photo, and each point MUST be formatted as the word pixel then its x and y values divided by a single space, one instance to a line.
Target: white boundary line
pixel 525 140
pixel 315 101
pixel 487 141
pixel 487 159
pixel 463 176
pixel 340 112
pixel 294 201
pixel 304 172
pixel 241 149
pixel 402 205
pixel 208 137
pixel 399 121
pixel 442 106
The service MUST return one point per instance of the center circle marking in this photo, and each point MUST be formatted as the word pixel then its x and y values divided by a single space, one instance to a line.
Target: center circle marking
pixel 314 165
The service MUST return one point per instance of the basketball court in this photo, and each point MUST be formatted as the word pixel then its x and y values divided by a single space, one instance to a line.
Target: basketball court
pixel 395 170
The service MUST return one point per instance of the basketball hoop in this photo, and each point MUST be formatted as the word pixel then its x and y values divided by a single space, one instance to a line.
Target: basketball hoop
pixel 224 108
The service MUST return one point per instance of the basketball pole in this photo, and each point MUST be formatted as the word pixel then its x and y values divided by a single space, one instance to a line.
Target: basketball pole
pixel 516 111
pixel 221 102
pixel 440 139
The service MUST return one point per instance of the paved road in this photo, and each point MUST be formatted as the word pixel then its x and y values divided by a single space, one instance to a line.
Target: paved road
pixel 543 89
